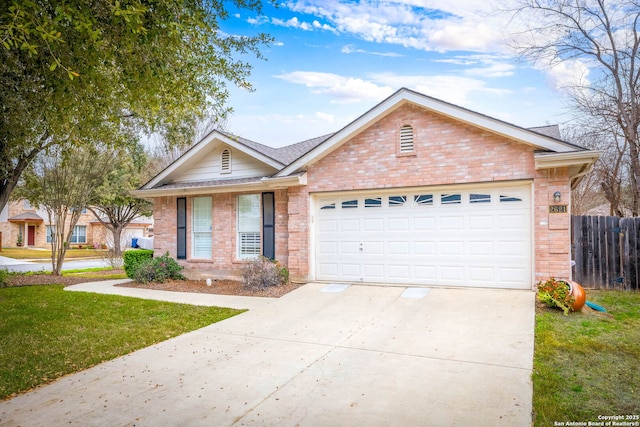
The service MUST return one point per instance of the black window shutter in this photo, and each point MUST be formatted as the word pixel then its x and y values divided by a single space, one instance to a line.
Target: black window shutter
pixel 182 228
pixel 268 225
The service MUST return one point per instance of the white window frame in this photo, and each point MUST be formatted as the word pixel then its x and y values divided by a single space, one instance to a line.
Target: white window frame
pixel 249 226
pixel 75 234
pixel 202 227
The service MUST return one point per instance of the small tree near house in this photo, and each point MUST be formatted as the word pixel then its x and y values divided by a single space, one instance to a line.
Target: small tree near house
pixel 62 183
pixel 112 202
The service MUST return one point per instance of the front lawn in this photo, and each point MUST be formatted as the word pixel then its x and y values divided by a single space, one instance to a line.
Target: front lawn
pixel 587 364
pixel 48 332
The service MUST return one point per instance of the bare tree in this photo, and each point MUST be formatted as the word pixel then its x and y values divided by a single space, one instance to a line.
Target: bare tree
pixel 604 37
pixel 62 183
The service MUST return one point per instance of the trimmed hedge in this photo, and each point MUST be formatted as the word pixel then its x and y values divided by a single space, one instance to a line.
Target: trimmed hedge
pixel 133 259
pixel 158 269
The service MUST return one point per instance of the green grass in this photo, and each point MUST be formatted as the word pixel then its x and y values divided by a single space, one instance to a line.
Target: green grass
pixel 48 332
pixel 95 273
pixel 588 363
pixel 23 253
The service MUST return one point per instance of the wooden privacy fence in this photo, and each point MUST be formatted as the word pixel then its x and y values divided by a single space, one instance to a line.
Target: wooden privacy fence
pixel 605 250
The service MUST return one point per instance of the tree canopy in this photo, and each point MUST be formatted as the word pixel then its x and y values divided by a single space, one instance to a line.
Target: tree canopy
pixel 601 38
pixel 81 72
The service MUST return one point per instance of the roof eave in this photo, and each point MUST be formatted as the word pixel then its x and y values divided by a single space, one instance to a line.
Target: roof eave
pixel 261 185
pixel 203 144
pixel 572 159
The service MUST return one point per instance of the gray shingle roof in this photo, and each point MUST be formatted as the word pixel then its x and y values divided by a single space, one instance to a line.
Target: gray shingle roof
pixel 284 155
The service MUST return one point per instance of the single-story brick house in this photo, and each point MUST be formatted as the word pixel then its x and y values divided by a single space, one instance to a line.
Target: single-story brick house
pixel 414 191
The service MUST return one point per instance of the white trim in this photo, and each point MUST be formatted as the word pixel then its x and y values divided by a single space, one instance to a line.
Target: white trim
pixel 557 160
pixel 406 96
pixel 204 146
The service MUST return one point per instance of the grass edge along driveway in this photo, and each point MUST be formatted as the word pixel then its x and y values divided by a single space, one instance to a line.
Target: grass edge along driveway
pixel 47 332
pixel 586 364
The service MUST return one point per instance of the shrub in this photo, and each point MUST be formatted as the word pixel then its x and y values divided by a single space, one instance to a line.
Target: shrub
pixel 158 269
pixel 262 273
pixel 132 259
pixel 4 275
pixel 556 293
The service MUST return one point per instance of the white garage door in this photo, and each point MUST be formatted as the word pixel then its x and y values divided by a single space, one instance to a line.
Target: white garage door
pixel 469 236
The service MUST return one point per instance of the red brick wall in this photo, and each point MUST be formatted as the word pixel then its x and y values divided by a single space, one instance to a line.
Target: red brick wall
pixel 445 152
pixel 224 262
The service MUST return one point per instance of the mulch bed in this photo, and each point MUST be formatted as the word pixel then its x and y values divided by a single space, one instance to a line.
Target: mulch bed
pixel 220 287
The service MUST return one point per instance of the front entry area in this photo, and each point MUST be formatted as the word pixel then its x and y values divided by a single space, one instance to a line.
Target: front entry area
pixel 478 236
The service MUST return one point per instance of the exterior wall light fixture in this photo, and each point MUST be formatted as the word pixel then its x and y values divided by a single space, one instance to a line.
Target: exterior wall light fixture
pixel 556 197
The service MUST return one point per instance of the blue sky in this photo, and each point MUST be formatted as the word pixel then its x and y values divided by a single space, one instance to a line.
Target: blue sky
pixel 333 60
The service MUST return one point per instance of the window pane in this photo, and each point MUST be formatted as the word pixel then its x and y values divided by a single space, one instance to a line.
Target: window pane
pixel 423 199
pixel 201 228
pixel 249 245
pixel 79 234
pixel 249 226
pixel 450 199
pixel 375 202
pixel 51 231
pixel 480 198
pixel 350 204
pixel 329 206
pixel 509 199
pixel 397 200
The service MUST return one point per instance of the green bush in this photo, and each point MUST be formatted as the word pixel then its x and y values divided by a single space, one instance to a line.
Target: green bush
pixel 158 269
pixel 132 259
pixel 262 272
pixel 4 275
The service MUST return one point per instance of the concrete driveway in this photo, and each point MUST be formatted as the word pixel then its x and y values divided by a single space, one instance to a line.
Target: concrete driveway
pixel 319 356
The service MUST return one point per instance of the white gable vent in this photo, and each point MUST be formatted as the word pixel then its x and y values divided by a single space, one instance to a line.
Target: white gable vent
pixel 406 139
pixel 225 161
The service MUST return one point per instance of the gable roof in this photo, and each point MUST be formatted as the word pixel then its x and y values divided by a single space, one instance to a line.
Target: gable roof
pixel 544 138
pixel 290 162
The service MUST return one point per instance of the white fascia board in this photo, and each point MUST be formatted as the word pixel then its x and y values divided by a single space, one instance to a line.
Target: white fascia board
pixel 264 184
pixel 558 160
pixel 439 107
pixel 203 146
pixel 286 181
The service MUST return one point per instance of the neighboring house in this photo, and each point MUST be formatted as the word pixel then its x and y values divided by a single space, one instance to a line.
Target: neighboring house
pixel 21 224
pixel 415 191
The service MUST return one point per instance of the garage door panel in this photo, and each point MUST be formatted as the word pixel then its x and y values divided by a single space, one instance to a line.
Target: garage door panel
pixel 452 273
pixel 423 223
pixel 347 225
pixel 399 248
pixel 398 224
pixel 481 248
pixel 479 237
pixel 454 223
pixel 349 248
pixel 424 248
pixel 401 272
pixel 328 248
pixel 481 274
pixel 373 248
pixel 481 223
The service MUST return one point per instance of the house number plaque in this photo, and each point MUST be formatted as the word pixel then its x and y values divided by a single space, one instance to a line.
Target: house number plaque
pixel 558 209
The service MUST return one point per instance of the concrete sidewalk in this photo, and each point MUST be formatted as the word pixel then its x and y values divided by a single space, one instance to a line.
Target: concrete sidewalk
pixel 319 356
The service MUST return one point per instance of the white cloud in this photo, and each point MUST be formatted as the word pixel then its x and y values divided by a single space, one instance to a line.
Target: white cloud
pixel 341 89
pixel 348 49
pixel 568 74
pixel 442 26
